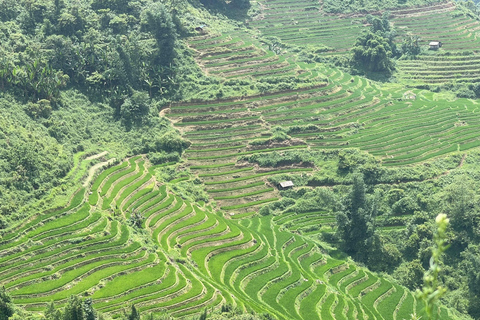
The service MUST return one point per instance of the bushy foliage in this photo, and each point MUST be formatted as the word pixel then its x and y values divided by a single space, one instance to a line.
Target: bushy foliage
pixel 276 159
pixel 102 47
pixel 372 52
pixel 6 305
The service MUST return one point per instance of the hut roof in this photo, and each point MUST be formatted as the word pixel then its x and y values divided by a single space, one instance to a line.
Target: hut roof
pixel 286 184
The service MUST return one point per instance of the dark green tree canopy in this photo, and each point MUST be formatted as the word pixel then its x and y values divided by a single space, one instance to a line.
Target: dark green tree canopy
pixel 6 305
pixel 372 52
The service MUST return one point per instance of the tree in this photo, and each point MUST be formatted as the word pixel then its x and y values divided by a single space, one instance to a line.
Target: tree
pixel 410 46
pixel 74 309
pixel 461 205
pixel 203 316
pixel 471 263
pixel 136 108
pixel 6 305
pixel 88 311
pixel 372 52
pixel 134 314
pixel 355 221
pixel 51 313
pixel 241 4
pixel 158 21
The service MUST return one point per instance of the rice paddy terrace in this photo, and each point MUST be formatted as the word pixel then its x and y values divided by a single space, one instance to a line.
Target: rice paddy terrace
pixel 182 257
pixel 238 54
pixel 304 23
pixel 398 127
pixel 185 257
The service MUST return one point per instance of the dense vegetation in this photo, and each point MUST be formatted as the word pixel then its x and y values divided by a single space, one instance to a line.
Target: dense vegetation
pixel 142 146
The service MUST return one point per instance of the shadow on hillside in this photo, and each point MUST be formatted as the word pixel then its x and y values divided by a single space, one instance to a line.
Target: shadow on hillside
pixel 232 9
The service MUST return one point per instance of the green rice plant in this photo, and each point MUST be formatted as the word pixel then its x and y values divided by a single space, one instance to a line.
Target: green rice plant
pixel 258 175
pixel 346 283
pixel 308 305
pixel 370 297
pixel 390 303
pixel 339 308
pixel 196 231
pixel 234 260
pixel 73 226
pixel 325 312
pixel 196 290
pixel 132 188
pixel 17 230
pixel 198 255
pixel 164 228
pixel 68 276
pixel 40 255
pixel 171 236
pixel 248 204
pixel 355 291
pixel 213 166
pixel 61 222
pixel 159 213
pixel 139 196
pixel 226 252
pixel 237 196
pixel 157 205
pixel 117 175
pixel 335 278
pixel 119 184
pixel 167 286
pixel 92 279
pixel 93 198
pixel 251 185
pixel 151 200
pixel 127 282
pixel 226 172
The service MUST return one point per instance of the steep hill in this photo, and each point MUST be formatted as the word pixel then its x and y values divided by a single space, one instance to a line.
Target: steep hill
pixel 143 146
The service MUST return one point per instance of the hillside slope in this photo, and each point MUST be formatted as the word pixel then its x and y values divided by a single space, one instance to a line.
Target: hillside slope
pixel 181 257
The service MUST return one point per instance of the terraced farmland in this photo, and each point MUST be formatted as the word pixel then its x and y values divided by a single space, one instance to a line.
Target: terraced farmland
pixel 456 31
pixel 237 54
pixel 304 23
pixel 189 258
pixel 439 69
pixel 348 112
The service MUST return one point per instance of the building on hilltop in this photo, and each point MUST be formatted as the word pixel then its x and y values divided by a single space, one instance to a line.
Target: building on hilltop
pixel 435 45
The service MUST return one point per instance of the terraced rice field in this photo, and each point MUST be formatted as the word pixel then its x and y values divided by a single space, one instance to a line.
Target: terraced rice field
pixel 189 258
pixel 457 59
pixel 236 54
pixel 304 23
pixel 456 31
pixel 439 69
pixel 346 112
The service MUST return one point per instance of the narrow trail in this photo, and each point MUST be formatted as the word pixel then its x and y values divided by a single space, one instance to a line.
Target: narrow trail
pixel 92 170
pixel 96 156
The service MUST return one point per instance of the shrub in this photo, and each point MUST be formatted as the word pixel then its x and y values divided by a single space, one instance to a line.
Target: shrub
pixel 163 157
